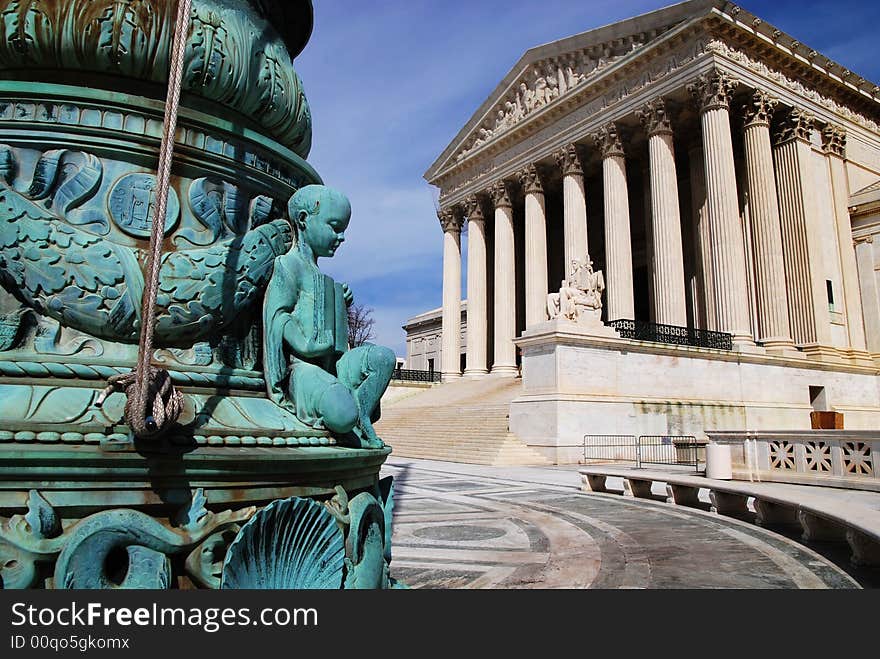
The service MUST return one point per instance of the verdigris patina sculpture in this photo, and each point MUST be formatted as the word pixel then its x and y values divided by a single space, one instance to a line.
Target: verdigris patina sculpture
pixel 308 364
pixel 270 475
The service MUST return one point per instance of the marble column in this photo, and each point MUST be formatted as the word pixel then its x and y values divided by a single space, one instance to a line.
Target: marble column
pixel 808 303
pixel 535 247
pixel 450 358
pixel 702 238
pixel 477 309
pixel 774 330
pixel 574 206
pixel 712 92
pixel 864 249
pixel 670 306
pixel 505 282
pixel 618 247
pixel 834 146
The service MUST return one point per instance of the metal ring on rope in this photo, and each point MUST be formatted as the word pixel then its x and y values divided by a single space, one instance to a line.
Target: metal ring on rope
pixel 153 405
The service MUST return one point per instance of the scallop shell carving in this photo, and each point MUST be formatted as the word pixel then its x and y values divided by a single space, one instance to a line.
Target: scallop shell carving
pixel 294 544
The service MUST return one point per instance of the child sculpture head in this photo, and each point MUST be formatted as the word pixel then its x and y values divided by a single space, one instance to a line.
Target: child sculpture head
pixel 321 216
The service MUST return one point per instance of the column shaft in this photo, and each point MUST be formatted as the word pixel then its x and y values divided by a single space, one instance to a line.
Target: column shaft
pixel 835 151
pixel 574 207
pixel 667 274
pixel 810 319
pixel 728 260
pixel 774 330
pixel 477 310
pixel 864 249
pixel 618 246
pixel 505 284
pixel 575 200
pixel 702 240
pixel 450 358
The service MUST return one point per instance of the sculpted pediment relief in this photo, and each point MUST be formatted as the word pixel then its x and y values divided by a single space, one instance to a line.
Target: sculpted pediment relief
pixel 545 81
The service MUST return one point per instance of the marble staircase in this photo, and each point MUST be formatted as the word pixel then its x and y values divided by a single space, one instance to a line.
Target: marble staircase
pixel 464 421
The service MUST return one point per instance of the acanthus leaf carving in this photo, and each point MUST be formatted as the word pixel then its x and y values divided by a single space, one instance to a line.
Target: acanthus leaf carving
pixel 530 179
pixel 474 209
pixel 569 161
pixel 834 140
pixel 655 118
pixel 796 124
pixel 759 110
pixel 713 90
pixel 450 219
pixel 501 194
pixel 607 139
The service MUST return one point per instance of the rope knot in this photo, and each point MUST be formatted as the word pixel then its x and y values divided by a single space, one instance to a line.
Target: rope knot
pixel 154 414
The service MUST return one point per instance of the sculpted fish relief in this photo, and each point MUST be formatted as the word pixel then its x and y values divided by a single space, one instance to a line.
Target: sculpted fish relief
pixel 60 254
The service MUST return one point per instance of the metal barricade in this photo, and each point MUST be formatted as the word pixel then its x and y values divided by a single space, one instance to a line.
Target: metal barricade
pixel 677 450
pixel 683 450
pixel 610 448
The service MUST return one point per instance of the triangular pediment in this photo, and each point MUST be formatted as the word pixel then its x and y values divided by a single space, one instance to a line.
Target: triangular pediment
pixel 547 74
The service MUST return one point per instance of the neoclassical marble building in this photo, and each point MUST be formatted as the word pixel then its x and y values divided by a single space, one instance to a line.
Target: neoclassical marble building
pixel 714 169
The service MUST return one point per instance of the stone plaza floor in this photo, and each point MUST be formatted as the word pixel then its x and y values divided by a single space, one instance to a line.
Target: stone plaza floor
pixel 467 526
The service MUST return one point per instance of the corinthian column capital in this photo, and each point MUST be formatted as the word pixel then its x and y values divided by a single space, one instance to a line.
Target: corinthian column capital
pixel 569 160
pixel 501 195
pixel 607 139
pixel 759 110
pixel 796 125
pixel 530 179
pixel 450 219
pixel 655 118
pixel 713 90
pixel 474 209
pixel 834 140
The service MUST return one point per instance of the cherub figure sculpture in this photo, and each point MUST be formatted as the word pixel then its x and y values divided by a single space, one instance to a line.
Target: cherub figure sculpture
pixel 580 297
pixel 308 365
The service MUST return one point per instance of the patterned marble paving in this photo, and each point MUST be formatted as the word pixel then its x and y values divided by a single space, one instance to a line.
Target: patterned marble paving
pixel 456 531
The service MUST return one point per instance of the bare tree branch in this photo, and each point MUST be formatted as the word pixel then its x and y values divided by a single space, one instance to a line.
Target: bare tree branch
pixel 360 325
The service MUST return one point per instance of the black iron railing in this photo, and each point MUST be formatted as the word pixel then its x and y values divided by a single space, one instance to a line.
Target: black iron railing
pixel 682 450
pixel 408 375
pixel 640 330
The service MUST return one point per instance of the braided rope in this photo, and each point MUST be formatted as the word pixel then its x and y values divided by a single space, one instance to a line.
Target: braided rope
pixel 98 372
pixel 153 404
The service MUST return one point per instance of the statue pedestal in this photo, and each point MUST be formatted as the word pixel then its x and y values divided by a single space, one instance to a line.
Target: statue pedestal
pixel 189 516
pixel 586 382
pixel 588 326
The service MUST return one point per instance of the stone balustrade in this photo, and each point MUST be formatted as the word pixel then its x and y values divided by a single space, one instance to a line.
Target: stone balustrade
pixel 834 458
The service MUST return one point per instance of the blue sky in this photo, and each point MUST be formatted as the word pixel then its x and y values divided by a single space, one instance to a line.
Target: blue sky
pixel 391 82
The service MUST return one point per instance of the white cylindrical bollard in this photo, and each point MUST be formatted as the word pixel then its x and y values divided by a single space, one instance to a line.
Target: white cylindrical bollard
pixel 719 464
